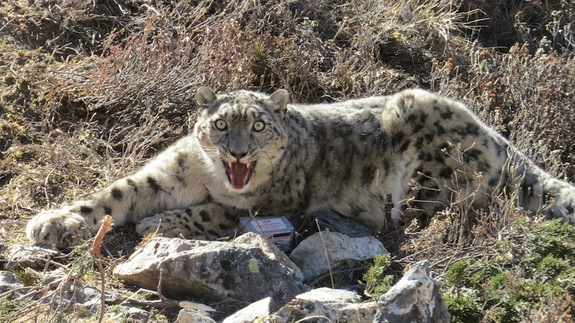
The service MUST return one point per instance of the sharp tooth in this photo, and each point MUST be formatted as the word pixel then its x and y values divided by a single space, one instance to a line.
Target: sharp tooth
pixel 249 165
pixel 229 164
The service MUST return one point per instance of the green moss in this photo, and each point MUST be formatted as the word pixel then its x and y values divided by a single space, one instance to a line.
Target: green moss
pixel 550 238
pixel 7 307
pixel 552 267
pixel 497 282
pixel 465 307
pixel 509 289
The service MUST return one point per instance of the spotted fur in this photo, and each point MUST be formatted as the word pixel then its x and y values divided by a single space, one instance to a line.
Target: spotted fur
pixel 253 152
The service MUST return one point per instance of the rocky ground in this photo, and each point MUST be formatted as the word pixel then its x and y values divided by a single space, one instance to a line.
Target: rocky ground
pixel 90 89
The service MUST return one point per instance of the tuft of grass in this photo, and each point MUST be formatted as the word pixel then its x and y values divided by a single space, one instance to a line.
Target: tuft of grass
pixel 377 278
pixel 82 260
pixel 28 277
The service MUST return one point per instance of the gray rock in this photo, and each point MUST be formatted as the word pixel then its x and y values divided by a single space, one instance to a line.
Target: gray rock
pixel 193 316
pixel 69 290
pixel 92 298
pixel 326 305
pixel 20 256
pixel 210 271
pixel 137 315
pixel 125 313
pixel 8 282
pixel 271 250
pixel 252 313
pixel 310 254
pixel 415 298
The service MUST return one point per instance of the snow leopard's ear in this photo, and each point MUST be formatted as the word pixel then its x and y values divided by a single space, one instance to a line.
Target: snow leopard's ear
pixel 205 96
pixel 280 99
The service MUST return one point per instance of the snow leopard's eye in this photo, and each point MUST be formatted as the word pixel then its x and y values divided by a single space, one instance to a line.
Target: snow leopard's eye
pixel 259 126
pixel 221 124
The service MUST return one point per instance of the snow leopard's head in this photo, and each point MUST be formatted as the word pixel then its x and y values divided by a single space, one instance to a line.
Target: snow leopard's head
pixel 242 134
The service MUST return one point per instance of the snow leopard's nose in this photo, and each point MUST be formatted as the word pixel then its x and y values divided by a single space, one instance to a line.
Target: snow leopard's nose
pixel 239 154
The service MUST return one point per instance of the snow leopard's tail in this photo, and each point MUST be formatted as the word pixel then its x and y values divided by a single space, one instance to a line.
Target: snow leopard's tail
pixel 540 191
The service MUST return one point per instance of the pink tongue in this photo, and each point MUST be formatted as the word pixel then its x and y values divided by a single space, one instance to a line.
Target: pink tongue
pixel 239 175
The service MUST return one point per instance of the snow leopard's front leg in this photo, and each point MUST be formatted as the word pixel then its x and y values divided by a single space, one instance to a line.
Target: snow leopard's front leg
pixel 207 221
pixel 171 181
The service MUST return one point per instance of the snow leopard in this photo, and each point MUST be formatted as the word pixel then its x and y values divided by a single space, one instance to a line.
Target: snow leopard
pixel 378 160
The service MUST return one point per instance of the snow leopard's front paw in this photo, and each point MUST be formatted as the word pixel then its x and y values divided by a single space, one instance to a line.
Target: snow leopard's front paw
pixel 60 228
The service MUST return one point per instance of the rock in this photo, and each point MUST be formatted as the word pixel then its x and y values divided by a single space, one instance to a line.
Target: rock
pixel 62 288
pixel 125 313
pixel 192 316
pixel 415 298
pixel 8 282
pixel 20 256
pixel 92 297
pixel 335 305
pixel 70 290
pixel 137 315
pixel 210 271
pixel 310 254
pixel 254 312
pixel 271 250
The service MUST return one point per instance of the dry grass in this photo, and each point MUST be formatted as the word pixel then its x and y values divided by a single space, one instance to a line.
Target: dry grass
pixel 90 89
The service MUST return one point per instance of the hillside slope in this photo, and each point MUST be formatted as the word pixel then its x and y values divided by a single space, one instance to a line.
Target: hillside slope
pixel 90 89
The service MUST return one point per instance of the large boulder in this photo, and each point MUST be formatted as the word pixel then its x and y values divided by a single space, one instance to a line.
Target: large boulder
pixel 210 271
pixel 311 255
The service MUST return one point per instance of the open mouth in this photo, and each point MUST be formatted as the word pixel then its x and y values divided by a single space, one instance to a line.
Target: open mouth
pixel 239 174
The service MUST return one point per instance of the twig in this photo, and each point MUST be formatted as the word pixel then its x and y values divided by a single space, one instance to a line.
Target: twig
pixel 326 254
pixel 96 248
pixel 163 302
